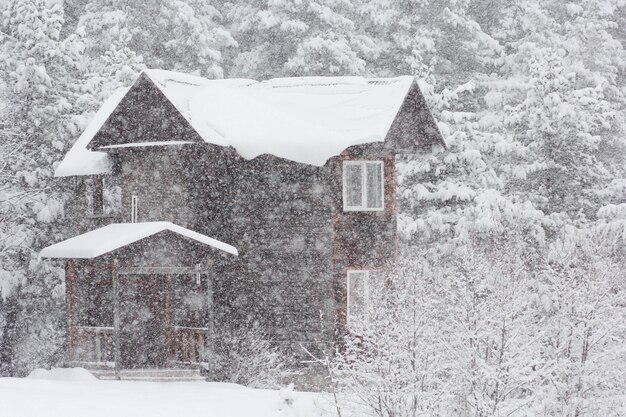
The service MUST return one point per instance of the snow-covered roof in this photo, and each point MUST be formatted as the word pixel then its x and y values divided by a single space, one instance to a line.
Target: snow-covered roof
pixel 304 119
pixel 114 236
pixel 82 161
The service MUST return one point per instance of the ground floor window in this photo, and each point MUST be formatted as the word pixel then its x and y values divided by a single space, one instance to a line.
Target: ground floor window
pixel 362 285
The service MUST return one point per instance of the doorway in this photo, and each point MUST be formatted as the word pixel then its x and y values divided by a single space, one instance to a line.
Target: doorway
pixel 143 321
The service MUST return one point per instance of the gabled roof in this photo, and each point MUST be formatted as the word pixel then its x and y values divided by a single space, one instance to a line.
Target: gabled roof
pixel 114 236
pixel 304 119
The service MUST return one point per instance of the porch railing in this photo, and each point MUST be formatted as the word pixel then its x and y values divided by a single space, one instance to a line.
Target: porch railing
pixel 186 345
pixel 95 346
pixel 92 346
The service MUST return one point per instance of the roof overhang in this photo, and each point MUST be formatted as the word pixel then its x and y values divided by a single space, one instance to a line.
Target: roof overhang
pixel 115 236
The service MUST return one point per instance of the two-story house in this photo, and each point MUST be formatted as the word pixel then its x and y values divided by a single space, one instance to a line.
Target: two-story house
pixel 202 203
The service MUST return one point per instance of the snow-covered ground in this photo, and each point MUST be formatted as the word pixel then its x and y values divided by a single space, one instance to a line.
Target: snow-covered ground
pixel 76 393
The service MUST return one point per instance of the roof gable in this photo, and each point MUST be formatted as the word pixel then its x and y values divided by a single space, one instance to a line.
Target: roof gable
pixel 145 115
pixel 414 127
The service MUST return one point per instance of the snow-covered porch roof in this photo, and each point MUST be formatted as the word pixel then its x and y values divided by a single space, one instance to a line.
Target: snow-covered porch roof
pixel 114 236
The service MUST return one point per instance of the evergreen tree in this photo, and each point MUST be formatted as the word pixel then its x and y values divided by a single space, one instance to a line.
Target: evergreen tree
pixel 563 107
pixel 178 35
pixel 284 38
pixel 39 69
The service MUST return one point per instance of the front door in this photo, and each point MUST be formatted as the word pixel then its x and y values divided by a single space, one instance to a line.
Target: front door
pixel 143 324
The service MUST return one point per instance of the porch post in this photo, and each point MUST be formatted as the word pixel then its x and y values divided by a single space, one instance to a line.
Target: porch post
pixel 116 316
pixel 210 340
pixel 70 277
pixel 168 318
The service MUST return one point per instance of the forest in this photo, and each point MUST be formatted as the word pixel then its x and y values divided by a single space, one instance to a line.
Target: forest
pixel 511 295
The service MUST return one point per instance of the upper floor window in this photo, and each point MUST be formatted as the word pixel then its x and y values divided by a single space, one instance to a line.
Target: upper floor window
pixel 363 286
pixel 363 186
pixel 94 187
pixel 103 196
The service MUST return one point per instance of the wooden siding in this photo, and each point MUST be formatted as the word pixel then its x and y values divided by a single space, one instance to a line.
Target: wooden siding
pixel 144 115
pixel 280 221
pixel 414 129
pixel 163 183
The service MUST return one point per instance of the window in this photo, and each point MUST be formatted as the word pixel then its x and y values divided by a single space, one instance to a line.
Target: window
pixel 103 197
pixel 94 195
pixel 363 285
pixel 133 209
pixel 363 186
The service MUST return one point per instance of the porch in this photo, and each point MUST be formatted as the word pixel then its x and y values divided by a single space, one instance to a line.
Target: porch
pixel 145 304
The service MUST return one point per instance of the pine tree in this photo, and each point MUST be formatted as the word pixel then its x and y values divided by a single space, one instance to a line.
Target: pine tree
pixel 551 113
pixel 538 127
pixel 12 233
pixel 185 36
pixel 287 38
pixel 39 69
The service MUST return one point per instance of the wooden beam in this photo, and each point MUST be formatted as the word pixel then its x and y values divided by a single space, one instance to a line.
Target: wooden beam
pixel 116 316
pixel 98 194
pixel 168 318
pixel 210 334
pixel 70 277
pixel 185 347
pixel 158 270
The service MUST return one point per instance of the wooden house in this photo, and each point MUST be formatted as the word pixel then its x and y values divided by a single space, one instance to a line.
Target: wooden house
pixel 205 204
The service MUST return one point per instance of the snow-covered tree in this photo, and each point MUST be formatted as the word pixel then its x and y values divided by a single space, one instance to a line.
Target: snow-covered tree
pixel 11 234
pixel 391 360
pixel 583 293
pixel 493 329
pixel 282 38
pixel 178 35
pixel 39 68
pixel 563 107
pixel 8 332
pixel 537 124
pixel 244 355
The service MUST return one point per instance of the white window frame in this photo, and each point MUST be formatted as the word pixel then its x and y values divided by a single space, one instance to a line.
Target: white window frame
pixel 363 206
pixel 366 289
pixel 134 203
